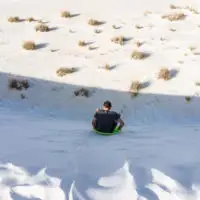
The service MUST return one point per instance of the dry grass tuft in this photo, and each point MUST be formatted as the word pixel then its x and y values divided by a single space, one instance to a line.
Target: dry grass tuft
pixel 138 55
pixel 23 96
pixel 192 10
pixel 97 31
pixel 64 71
pixel 180 62
pixel 116 27
pixel 147 12
pixel 138 43
pixel 172 29
pixel 174 7
pixel 164 73
pixel 192 48
pixel 29 45
pixel 14 19
pixel 197 83
pixel 66 14
pixel 41 28
pixel 18 84
pixel 135 87
pixel 196 53
pixel 138 26
pixel 82 43
pixel 94 22
pixel 82 92
pixel 107 67
pixel 162 39
pixel 30 19
pixel 118 40
pixel 174 16
pixel 188 99
pixel 91 48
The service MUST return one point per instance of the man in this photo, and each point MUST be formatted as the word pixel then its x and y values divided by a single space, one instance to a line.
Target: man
pixel 105 120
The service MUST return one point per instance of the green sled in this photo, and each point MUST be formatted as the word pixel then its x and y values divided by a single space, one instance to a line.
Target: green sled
pixel 116 131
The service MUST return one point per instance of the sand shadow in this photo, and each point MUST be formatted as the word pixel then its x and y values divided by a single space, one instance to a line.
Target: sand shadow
pixel 146 55
pixel 196 53
pixel 22 20
pixel 75 15
pixel 75 69
pixel 71 31
pixel 116 27
pixel 113 67
pixel 54 50
pixel 57 99
pixel 145 84
pixel 127 39
pixel 53 28
pixel 41 46
pixel 89 43
pixel 99 23
pixel 173 73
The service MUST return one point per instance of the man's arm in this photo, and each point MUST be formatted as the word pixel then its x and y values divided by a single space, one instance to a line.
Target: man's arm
pixel 94 122
pixel 94 118
pixel 121 122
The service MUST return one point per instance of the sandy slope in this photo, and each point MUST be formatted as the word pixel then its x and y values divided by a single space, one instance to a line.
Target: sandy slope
pixel 53 139
pixel 42 63
pixel 47 158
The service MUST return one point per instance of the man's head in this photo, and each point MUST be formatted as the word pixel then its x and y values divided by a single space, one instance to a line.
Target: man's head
pixel 107 105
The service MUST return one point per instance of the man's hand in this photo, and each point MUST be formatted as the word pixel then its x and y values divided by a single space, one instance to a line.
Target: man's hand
pixel 121 122
pixel 97 109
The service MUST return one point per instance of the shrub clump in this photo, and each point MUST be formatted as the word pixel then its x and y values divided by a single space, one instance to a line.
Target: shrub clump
pixel 135 87
pixel 65 14
pixel 94 22
pixel 138 43
pixel 29 45
pixel 97 31
pixel 172 6
pixel 42 28
pixel 174 16
pixel 164 73
pixel 107 67
pixel 82 92
pixel 137 55
pixel 18 84
pixel 82 43
pixel 14 19
pixel 118 40
pixel 137 26
pixel 30 19
pixel 193 10
pixel 64 71
pixel 188 99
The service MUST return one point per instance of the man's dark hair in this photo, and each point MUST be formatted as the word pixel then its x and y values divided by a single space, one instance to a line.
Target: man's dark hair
pixel 107 104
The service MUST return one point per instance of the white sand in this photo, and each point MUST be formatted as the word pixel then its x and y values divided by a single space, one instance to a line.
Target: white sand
pixel 161 132
pixel 42 63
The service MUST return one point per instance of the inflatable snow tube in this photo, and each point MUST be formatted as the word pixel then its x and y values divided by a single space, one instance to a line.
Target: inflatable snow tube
pixel 116 131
